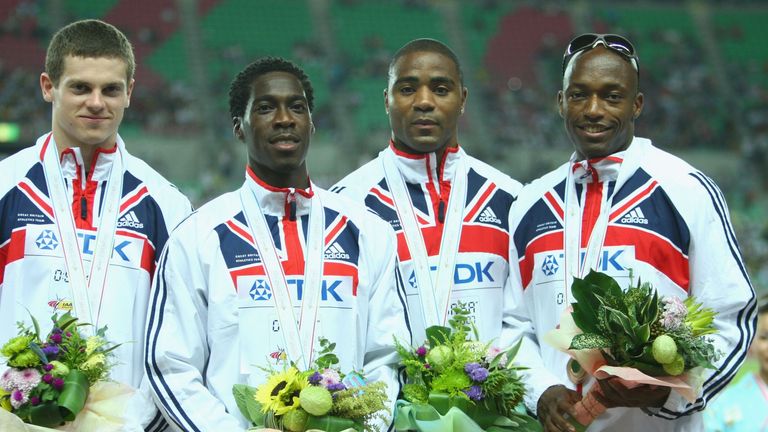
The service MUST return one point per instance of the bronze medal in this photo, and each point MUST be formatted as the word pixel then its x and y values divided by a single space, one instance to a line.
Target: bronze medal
pixel 576 373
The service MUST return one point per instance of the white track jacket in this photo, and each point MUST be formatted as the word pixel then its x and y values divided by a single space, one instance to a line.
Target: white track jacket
pixel 195 344
pixel 33 274
pixel 668 224
pixel 481 267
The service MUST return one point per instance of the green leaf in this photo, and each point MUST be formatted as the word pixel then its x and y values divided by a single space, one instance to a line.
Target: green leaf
pixel 643 332
pixel 607 285
pixel 246 403
pixel 589 341
pixel 437 335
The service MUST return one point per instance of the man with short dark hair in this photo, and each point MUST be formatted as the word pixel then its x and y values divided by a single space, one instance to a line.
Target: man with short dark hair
pixel 623 207
pixel 236 272
pixel 450 210
pixel 82 221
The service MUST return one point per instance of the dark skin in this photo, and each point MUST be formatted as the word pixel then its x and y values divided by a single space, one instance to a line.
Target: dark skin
pixel 424 100
pixel 276 130
pixel 599 104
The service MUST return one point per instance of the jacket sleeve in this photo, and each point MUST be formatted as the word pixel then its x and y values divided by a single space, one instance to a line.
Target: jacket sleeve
pixel 719 280
pixel 177 350
pixel 518 325
pixel 387 319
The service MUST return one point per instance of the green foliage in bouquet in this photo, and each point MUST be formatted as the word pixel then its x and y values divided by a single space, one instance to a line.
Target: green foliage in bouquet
pixel 469 373
pixel 49 378
pixel 637 328
pixel 320 398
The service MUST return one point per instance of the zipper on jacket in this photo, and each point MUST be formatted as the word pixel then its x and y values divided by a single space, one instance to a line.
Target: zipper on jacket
pixel 291 198
pixel 83 207
pixel 441 210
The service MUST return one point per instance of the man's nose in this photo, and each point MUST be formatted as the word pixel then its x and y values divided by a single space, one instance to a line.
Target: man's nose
pixel 594 107
pixel 95 101
pixel 425 100
pixel 284 118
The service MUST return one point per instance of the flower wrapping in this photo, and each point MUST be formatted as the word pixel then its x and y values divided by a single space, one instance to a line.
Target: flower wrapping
pixel 634 335
pixel 50 379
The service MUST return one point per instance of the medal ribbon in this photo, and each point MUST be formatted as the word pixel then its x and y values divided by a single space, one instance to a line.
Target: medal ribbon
pixel 299 336
pixel 87 292
pixel 435 298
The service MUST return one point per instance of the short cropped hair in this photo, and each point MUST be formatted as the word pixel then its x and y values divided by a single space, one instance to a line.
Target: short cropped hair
pixel 90 39
pixel 426 45
pixel 240 88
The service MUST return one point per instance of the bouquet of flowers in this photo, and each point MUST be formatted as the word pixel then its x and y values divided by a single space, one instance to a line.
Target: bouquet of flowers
pixel 49 378
pixel 637 335
pixel 321 398
pixel 457 383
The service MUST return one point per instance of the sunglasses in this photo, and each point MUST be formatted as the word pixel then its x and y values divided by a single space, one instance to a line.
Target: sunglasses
pixel 614 42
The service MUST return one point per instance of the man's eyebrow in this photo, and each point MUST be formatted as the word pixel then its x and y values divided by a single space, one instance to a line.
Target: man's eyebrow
pixel 433 80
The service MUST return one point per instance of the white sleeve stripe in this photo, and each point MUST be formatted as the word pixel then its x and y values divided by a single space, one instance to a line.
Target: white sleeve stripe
pixel 720 378
pixel 153 371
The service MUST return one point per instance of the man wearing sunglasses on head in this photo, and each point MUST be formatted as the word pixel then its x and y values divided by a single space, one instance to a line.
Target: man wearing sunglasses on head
pixel 623 207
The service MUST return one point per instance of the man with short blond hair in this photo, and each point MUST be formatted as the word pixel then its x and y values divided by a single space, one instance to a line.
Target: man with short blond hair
pixel 82 221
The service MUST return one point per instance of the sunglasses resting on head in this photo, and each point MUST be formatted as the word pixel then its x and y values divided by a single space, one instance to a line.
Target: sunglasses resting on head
pixel 614 42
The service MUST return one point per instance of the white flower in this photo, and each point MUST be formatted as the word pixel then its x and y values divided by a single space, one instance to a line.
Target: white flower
pixel 674 313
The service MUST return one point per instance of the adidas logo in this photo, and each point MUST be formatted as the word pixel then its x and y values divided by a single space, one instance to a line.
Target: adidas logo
pixel 129 220
pixel 635 216
pixel 335 251
pixel 488 216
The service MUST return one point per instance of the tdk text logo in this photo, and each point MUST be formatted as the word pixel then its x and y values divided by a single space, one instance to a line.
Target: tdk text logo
pixel 331 290
pixel 47 240
pixel 89 241
pixel 550 265
pixel 464 274
pixel 609 261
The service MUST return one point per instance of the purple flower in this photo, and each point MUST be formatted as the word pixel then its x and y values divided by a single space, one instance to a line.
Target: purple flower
pixel 17 395
pixel 69 334
pixel 47 367
pixel 421 351
pixel 427 366
pixel 56 338
pixel 47 378
pixel 475 393
pixel 469 367
pixel 34 400
pixel 18 398
pixel 336 387
pixel 330 376
pixel 479 374
pixel 51 350
pixel 58 383
pixel 315 378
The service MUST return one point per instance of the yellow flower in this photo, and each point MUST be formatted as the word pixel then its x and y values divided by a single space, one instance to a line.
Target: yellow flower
pixel 93 362
pixel 281 392
pixel 5 400
pixel 93 343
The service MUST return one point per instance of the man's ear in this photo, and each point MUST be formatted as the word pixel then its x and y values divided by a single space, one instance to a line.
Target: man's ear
pixel 386 101
pixel 464 94
pixel 560 103
pixel 46 85
pixel 237 128
pixel 129 90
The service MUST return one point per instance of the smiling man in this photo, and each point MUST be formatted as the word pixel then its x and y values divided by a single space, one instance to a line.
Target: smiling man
pixel 623 207
pixel 450 210
pixel 82 222
pixel 256 276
